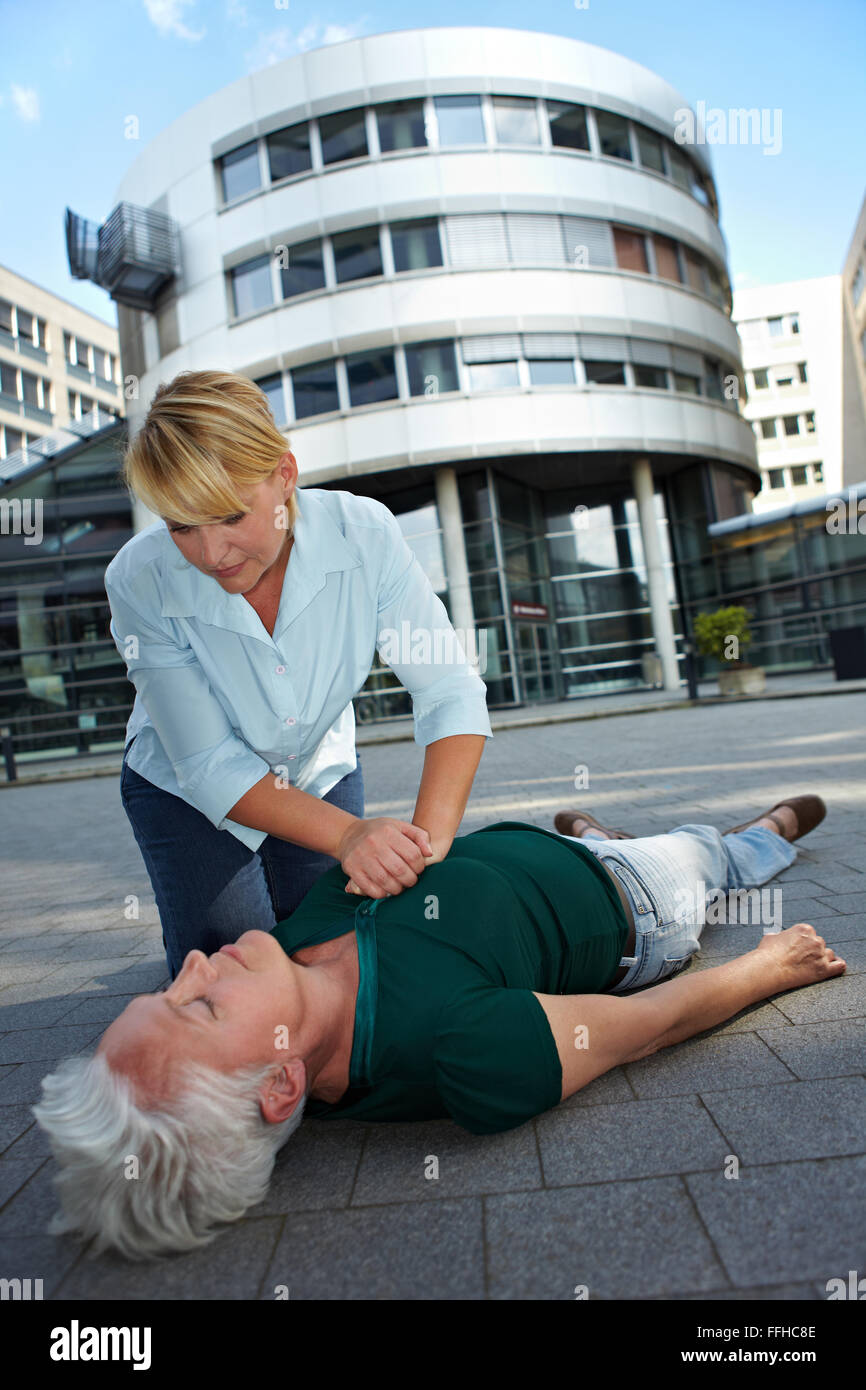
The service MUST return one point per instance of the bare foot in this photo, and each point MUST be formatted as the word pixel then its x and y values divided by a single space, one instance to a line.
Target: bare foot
pixel 800 956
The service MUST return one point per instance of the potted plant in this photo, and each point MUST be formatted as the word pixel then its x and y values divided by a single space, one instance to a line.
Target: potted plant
pixel 725 635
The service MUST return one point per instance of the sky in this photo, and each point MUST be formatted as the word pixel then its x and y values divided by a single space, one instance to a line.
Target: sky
pixel 70 75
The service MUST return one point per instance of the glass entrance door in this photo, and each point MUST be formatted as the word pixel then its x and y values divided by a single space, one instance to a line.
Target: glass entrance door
pixel 536 668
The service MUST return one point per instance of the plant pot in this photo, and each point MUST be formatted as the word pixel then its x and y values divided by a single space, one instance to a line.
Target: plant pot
pixel 743 680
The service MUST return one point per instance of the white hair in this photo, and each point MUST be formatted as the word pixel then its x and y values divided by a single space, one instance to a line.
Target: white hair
pixel 147 1182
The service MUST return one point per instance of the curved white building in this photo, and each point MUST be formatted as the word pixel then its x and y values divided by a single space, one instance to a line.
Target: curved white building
pixel 478 278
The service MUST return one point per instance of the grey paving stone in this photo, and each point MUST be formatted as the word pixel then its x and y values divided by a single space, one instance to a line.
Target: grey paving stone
pixel 805 1119
pixel 316 1168
pixel 98 1008
pixel 844 996
pixel 791 1292
pixel 612 1086
pixel 847 902
pixel 781 1223
pixel 38 1013
pixel 411 1250
pixel 46 1044
pixel 23 1084
pixel 14 1173
pixel 38 1257
pixel 715 1060
pixel 637 1139
pixel 851 927
pixel 616 1240
pixel 231 1267
pixel 764 1015
pixel 437 1159
pixel 14 1120
pixel 820 1049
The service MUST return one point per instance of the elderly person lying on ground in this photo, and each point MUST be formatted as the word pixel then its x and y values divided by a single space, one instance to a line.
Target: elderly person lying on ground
pixel 496 986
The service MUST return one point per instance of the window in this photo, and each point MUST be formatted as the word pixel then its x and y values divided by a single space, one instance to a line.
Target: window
pixel 613 135
pixel 667 261
pixel 809 419
pixel 6 316
pixel 801 369
pixel 314 388
pixel 785 377
pixel 357 254
pixel 799 475
pixel 630 250
pixel 791 424
pixel 653 378
pixel 795 323
pixel 416 245
pixel 289 151
pixel 14 440
pixel 82 353
pixel 344 136
pixel 760 379
pixel 604 373
pixel 432 368
pixel 516 121
pixel 775 327
pixel 272 386
pixel 25 325
pixel 401 125
pixel 568 125
pixel 695 271
pixel 859 283
pixel 680 167
pixel 240 171
pixel 684 381
pixel 768 428
pixel 8 380
pixel 818 472
pixel 252 286
pixel 305 270
pixel 551 372
pixel 30 388
pixel 492 376
pixel 460 120
pixel 371 377
pixel 713 379
pixel 649 147
pixel 776 477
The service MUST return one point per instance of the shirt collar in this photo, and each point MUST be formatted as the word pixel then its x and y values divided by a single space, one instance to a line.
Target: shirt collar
pixel 319 548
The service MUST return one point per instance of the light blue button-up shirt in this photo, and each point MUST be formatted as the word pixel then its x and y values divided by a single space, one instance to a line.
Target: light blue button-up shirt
pixel 220 703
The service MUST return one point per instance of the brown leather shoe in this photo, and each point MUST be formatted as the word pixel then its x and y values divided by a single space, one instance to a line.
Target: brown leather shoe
pixel 809 810
pixel 564 822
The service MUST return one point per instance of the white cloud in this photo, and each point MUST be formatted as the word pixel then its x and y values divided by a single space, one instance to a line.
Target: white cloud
pixel 26 102
pixel 273 47
pixel 165 16
pixel 237 13
pixel 742 279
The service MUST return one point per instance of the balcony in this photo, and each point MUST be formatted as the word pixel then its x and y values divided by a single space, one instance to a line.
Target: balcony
pixel 133 255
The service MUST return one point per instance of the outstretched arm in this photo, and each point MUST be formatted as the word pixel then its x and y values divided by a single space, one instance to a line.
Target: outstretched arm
pixel 595 1032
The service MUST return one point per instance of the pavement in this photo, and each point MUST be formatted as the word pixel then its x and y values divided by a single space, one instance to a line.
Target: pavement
pixel 625 1190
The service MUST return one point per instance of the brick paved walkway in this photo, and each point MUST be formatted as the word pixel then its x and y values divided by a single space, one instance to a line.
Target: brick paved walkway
pixel 622 1187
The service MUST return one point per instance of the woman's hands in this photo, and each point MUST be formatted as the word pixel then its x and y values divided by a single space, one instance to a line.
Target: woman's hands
pixel 800 956
pixel 383 856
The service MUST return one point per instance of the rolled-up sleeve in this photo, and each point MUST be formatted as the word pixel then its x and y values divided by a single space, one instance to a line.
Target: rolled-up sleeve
pixel 214 767
pixel 417 640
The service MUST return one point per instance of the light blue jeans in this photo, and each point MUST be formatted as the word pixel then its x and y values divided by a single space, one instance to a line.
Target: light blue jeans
pixel 667 878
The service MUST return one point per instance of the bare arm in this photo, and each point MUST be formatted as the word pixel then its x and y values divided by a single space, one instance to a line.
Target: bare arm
pixel 380 855
pixel 450 765
pixel 595 1032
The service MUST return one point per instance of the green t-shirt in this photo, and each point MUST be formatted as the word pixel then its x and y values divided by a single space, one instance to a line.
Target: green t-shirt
pixel 446 1023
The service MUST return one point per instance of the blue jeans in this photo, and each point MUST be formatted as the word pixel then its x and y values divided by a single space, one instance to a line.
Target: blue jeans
pixel 209 887
pixel 667 878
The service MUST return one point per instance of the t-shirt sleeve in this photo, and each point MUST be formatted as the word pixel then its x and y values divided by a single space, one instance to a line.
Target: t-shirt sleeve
pixel 496 1060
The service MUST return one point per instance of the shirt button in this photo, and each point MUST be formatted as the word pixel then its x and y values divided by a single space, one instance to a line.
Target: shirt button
pixel 280 670
pixel 290 720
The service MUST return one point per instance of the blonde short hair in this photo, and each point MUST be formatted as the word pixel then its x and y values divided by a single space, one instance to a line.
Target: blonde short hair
pixel 207 437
